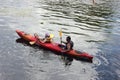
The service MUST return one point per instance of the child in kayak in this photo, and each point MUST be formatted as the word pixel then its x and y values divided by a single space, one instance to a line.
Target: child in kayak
pixel 47 38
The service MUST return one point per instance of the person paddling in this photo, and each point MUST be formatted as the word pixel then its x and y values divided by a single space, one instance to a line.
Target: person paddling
pixel 68 44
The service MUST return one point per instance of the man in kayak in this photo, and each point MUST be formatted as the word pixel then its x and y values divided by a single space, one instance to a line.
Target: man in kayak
pixel 68 44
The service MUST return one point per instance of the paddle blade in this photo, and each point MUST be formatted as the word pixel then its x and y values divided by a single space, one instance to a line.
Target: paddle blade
pixel 51 35
pixel 60 33
pixel 32 42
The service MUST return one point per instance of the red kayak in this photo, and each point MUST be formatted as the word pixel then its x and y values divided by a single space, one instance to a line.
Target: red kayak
pixel 54 47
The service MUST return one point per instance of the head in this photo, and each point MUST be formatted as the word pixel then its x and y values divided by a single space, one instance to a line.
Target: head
pixel 68 38
pixel 47 35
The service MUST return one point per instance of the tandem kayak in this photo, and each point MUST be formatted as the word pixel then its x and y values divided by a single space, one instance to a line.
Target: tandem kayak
pixel 56 47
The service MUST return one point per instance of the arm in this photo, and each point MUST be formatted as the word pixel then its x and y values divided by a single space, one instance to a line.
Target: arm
pixel 68 48
pixel 49 40
pixel 64 42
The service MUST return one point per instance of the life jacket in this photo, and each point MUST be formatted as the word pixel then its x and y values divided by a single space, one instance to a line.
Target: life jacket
pixel 71 43
pixel 48 40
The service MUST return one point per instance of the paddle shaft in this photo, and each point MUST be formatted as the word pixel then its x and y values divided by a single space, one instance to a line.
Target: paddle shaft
pixel 60 34
pixel 61 40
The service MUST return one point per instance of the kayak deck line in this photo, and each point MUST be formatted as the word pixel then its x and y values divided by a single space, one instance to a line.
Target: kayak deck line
pixel 55 47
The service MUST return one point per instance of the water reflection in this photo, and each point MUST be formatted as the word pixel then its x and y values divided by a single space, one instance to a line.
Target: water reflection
pixel 24 42
pixel 67 60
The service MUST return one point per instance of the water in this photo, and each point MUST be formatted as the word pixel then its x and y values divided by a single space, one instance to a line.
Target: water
pixel 94 28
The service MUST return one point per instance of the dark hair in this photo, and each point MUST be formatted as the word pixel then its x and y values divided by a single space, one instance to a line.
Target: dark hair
pixel 68 38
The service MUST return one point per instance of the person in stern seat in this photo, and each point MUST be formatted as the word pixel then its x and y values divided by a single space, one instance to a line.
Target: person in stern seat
pixel 68 44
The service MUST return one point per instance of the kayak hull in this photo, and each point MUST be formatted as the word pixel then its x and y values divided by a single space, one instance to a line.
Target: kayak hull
pixel 55 47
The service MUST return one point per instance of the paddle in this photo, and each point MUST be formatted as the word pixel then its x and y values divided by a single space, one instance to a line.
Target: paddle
pixel 60 34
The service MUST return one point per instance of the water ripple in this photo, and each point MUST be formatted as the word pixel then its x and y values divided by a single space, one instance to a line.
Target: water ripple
pixel 94 28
